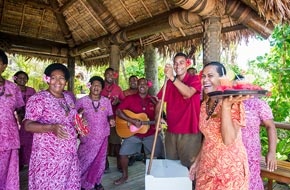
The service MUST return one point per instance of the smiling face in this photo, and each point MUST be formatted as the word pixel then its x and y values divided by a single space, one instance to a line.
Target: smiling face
pixel 143 86
pixel 96 88
pixel 21 79
pixel 133 82
pixel 179 65
pixel 109 76
pixel 57 82
pixel 210 78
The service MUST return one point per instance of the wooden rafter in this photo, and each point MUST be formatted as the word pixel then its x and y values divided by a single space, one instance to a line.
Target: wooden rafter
pixel 3 9
pixel 147 10
pixel 40 24
pixel 181 31
pixel 93 16
pixel 67 5
pixel 166 4
pixel 22 19
pixel 124 6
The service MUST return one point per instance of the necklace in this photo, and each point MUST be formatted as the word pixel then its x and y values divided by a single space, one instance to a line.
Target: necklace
pixel 3 89
pixel 96 107
pixel 210 112
pixel 109 89
pixel 144 103
pixel 65 106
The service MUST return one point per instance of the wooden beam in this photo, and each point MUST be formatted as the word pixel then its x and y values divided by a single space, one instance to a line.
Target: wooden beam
pixel 200 35
pixel 22 40
pixel 62 24
pixel 67 5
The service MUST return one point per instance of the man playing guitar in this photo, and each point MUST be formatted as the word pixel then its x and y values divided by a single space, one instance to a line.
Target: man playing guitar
pixel 138 103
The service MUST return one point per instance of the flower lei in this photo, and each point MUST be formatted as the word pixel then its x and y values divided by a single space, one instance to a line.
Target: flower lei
pixel 46 78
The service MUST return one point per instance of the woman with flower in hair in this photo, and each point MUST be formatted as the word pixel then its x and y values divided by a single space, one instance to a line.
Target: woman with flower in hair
pixel 50 115
pixel 11 100
pixel 138 103
pixel 21 78
pixel 97 110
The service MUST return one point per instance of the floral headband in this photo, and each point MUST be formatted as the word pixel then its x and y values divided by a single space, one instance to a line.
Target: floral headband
pixel 46 78
pixel 88 85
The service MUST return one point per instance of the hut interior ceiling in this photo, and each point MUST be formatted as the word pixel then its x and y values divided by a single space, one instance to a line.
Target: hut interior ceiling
pixel 85 29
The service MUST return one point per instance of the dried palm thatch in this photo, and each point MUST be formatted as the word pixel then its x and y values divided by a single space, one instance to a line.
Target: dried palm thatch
pixel 86 29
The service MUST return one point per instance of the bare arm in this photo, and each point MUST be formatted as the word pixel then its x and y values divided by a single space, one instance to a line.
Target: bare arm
pixel 36 127
pixel 185 91
pixel 229 128
pixel 272 141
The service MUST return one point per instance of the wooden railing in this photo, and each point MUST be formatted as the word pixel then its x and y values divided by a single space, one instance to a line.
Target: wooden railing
pixel 282 125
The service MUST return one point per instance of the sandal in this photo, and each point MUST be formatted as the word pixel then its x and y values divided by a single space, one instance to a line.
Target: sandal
pixel 120 181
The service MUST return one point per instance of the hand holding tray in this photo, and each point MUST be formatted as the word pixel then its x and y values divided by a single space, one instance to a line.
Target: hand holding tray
pixel 233 92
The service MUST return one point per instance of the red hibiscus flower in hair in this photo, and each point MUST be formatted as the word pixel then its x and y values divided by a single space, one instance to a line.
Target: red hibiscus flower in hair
pixel 116 75
pixel 188 62
pixel 149 83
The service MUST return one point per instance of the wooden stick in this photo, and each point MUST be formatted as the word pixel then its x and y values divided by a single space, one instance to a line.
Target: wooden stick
pixel 157 126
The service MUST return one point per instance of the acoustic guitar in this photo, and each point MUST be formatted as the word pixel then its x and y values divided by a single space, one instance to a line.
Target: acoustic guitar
pixel 125 129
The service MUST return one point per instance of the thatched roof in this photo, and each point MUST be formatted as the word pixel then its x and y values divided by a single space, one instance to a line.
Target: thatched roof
pixel 85 29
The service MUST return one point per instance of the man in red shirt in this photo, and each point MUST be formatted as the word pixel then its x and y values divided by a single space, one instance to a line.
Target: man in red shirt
pixel 182 98
pixel 115 94
pixel 138 103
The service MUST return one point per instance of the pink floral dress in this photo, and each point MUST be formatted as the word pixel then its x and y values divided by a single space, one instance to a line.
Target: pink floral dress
pixel 221 167
pixel 25 136
pixel 256 111
pixel 9 136
pixel 54 163
pixel 93 147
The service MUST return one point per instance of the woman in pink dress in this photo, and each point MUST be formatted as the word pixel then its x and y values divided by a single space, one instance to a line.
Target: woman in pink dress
pixel 222 162
pixel 50 115
pixel 97 110
pixel 21 78
pixel 11 100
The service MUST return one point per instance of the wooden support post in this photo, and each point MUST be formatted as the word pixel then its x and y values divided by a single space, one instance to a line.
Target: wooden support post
pixel 71 67
pixel 212 39
pixel 115 59
pixel 151 68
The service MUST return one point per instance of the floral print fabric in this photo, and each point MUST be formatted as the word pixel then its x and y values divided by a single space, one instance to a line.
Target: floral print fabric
pixel 54 162
pixel 256 111
pixel 221 167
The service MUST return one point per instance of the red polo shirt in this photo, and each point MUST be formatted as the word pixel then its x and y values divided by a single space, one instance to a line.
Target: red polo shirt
pixel 137 105
pixel 182 114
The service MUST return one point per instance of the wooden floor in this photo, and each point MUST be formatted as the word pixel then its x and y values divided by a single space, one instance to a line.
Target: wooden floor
pixel 136 179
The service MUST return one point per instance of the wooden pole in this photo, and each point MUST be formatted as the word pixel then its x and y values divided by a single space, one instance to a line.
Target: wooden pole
pixel 157 127
pixel 115 59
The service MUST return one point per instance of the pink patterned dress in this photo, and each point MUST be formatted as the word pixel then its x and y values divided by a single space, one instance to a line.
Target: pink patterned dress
pixel 93 147
pixel 25 136
pixel 256 111
pixel 221 167
pixel 9 136
pixel 54 163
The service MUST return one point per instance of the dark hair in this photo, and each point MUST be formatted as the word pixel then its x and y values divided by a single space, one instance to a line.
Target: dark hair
pixel 19 73
pixel 3 57
pixel 100 79
pixel 57 66
pixel 133 76
pixel 220 68
pixel 180 54
pixel 238 77
pixel 109 69
pixel 191 68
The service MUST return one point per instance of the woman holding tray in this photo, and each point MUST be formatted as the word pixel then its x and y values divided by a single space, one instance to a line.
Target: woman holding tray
pixel 222 162
pixel 50 115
